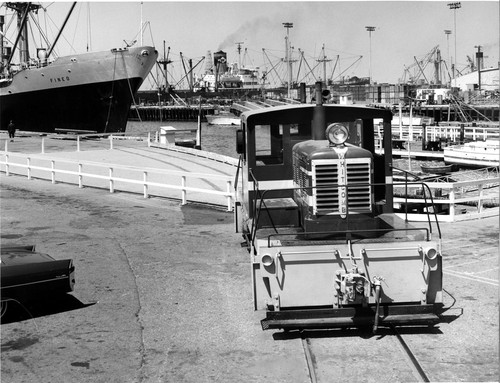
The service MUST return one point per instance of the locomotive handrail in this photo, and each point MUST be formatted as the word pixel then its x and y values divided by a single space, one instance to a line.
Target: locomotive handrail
pixel 424 187
pixel 238 167
pixel 261 195
pixel 256 212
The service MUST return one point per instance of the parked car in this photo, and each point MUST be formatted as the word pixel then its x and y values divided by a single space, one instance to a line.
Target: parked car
pixel 27 274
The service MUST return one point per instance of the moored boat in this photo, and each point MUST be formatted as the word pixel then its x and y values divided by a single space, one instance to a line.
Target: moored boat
pixel 223 119
pixel 90 91
pixel 476 154
pixel 438 169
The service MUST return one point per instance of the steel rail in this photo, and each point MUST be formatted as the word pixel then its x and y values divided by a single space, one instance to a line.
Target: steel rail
pixel 417 369
pixel 310 360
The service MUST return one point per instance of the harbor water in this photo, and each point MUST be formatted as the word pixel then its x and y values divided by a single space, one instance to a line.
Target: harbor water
pixel 222 140
pixel 216 139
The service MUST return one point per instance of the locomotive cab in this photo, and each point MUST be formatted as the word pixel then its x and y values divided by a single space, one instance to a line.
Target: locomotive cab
pixel 315 205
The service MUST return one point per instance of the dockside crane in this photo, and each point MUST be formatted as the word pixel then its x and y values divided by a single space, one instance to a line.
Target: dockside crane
pixel 417 70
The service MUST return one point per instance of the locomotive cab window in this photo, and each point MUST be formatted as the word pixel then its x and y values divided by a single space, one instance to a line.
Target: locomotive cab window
pixel 269 143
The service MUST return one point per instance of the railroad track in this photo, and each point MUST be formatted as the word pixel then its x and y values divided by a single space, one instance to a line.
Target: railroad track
pixel 395 337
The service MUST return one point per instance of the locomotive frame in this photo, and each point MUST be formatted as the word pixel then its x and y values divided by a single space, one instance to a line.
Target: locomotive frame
pixel 315 206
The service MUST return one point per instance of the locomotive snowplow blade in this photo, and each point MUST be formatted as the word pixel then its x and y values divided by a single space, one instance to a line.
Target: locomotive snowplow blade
pixel 350 317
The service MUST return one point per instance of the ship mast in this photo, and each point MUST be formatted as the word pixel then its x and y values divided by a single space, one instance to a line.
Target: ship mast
pixel 22 10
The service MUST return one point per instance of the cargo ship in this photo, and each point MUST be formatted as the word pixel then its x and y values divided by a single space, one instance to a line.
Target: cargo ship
pixel 89 92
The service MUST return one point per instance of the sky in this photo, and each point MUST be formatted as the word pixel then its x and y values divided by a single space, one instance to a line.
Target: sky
pixel 404 30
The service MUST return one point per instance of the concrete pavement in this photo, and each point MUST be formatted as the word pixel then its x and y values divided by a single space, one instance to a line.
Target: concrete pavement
pixel 163 294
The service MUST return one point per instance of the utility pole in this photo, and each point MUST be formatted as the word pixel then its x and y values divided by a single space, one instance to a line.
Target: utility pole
pixel 448 33
pixel 370 30
pixel 287 56
pixel 455 6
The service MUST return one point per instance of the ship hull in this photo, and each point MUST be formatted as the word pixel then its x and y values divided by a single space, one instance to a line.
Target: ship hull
pixel 91 92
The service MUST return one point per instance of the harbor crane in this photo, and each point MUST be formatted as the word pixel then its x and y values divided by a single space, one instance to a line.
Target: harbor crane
pixel 416 71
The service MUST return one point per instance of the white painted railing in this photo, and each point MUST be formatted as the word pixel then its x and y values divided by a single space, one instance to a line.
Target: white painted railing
pixel 73 172
pixel 448 197
pixel 446 131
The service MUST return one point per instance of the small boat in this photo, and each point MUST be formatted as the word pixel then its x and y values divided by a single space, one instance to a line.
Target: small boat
pixel 223 119
pixel 438 169
pixel 476 154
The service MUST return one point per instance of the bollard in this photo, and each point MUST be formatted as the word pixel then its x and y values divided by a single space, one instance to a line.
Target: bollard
pixel 110 142
pixel 28 168
pixel 7 172
pixel 6 146
pixel 149 139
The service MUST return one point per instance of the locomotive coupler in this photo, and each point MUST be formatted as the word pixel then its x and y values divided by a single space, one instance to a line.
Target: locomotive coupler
pixel 351 287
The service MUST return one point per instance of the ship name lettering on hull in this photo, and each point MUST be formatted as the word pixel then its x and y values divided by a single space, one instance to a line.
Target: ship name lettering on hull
pixel 59 79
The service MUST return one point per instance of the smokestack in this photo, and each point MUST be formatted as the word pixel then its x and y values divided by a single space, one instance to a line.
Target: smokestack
pixel 319 115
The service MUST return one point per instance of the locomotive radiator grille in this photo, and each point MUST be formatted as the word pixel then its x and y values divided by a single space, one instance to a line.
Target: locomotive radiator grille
pixel 330 193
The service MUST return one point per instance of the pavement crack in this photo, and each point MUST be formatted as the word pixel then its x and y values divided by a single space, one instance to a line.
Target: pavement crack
pixel 142 349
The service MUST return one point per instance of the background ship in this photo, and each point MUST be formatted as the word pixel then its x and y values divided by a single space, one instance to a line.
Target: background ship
pixel 90 91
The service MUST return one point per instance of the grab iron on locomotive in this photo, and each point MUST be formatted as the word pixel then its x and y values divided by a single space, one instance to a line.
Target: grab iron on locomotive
pixel 315 205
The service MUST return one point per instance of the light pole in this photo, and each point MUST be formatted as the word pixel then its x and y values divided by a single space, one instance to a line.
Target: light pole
pixel 370 30
pixel 448 33
pixel 287 56
pixel 455 6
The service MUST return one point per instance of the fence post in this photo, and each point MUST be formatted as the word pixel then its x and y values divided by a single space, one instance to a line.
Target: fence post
pixel 451 197
pixel 43 145
pixel 80 178
pixel 53 171
pixel 145 179
pixel 480 201
pixel 111 184
pixel 78 143
pixel 7 172
pixel 110 142
pixel 28 160
pixel 184 197
pixel 229 197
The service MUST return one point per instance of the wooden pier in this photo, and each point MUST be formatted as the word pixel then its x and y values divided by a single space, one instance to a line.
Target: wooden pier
pixel 169 113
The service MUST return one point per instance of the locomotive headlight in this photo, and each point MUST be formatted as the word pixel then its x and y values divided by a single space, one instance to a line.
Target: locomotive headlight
pixel 267 260
pixel 337 134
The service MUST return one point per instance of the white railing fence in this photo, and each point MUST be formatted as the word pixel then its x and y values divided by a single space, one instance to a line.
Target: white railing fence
pixel 451 199
pixel 124 178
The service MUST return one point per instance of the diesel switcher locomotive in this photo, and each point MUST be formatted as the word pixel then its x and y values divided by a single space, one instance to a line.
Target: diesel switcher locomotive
pixel 315 206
